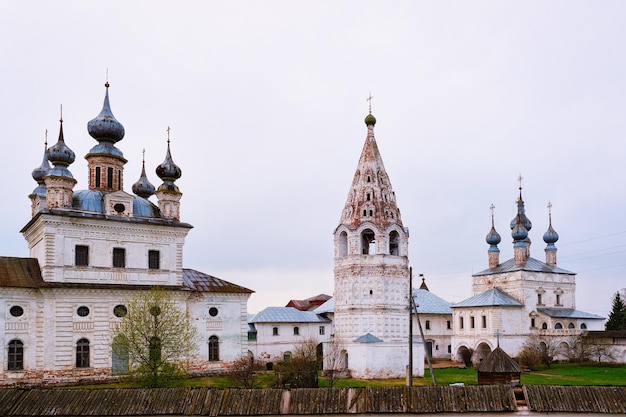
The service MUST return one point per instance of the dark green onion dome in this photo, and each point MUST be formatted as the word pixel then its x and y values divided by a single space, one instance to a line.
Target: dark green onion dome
pixel 370 120
pixel 143 187
pixel 106 130
pixel 61 157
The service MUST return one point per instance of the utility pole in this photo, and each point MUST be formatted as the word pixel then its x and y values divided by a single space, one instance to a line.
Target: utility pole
pixel 419 324
pixel 409 380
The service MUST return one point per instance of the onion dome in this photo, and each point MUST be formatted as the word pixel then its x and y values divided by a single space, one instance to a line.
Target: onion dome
pixel 61 156
pixel 519 233
pixel 40 172
pixel 370 120
pixel 550 236
pixel 143 187
pixel 168 171
pixel 105 127
pixel 493 237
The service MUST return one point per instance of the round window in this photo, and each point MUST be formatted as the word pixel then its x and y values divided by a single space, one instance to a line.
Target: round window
pixel 213 311
pixel 119 207
pixel 16 311
pixel 120 310
pixel 83 311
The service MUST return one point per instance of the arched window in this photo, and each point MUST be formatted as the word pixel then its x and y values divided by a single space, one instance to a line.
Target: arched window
pixel 571 326
pixel 544 326
pixel 15 360
pixel 368 242
pixel 342 244
pixel 214 348
pixel 274 331
pixel 287 356
pixel 393 243
pixel 82 353
pixel 583 326
pixel 296 331
pixel 558 326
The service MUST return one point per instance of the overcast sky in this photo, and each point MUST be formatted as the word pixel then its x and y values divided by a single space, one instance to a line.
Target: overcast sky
pixel 266 101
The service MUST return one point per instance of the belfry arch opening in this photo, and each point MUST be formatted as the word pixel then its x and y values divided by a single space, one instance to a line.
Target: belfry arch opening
pixel 394 243
pixel 342 244
pixel 368 242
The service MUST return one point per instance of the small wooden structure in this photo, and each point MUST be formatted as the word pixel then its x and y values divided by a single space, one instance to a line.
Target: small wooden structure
pixel 498 368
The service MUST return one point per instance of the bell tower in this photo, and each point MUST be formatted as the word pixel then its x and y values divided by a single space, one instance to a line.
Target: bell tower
pixel 371 272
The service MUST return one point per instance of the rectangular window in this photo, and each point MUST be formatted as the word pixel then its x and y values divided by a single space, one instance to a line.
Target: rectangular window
pixel 539 299
pixel 119 179
pixel 484 322
pixel 322 330
pixel 558 300
pixel 251 336
pixel 274 331
pixel 110 177
pixel 296 331
pixel 448 324
pixel 449 348
pixel 154 259
pixel 471 322
pixel 119 257
pixel 427 324
pixel 97 175
pixel 81 255
pixel 460 322
pixel 532 323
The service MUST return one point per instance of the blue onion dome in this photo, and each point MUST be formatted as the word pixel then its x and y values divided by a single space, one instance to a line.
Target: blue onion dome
pixel 105 127
pixel 519 233
pixel 550 236
pixel 143 187
pixel 41 171
pixel 370 120
pixel 61 156
pixel 493 237
pixel 168 170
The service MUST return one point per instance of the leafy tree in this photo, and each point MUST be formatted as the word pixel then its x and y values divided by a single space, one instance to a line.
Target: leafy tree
pixel 157 336
pixel 617 317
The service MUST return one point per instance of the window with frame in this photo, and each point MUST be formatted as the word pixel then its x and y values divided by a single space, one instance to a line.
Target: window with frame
pixel 322 330
pixel 97 176
pixel 296 331
pixel 274 331
pixel 214 349
pixel 110 177
pixel 15 358
pixel 471 322
pixel 119 257
pixel 448 324
pixel 483 322
pixel 461 322
pixel 154 259
pixel 81 255
pixel 82 353
pixel 427 324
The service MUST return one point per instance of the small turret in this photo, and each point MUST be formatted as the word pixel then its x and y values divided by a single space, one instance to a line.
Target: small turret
pixel 59 180
pixel 492 239
pixel 38 196
pixel 550 237
pixel 143 187
pixel 520 226
pixel 168 193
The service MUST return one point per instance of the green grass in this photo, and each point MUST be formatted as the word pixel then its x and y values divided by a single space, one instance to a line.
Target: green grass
pixel 558 374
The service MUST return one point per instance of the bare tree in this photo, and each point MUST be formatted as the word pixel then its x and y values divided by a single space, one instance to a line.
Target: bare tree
pixel 544 348
pixel 333 361
pixel 300 371
pixel 157 337
pixel 242 371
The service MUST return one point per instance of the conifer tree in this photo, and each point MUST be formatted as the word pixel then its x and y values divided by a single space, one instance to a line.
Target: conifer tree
pixel 617 317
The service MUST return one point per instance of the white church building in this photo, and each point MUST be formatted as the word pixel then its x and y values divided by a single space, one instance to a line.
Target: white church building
pixel 93 250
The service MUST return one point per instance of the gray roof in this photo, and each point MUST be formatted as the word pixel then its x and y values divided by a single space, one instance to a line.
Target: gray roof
pixel 367 338
pixel 327 307
pixel 287 315
pixel 568 313
pixel 492 297
pixel 429 303
pixel 532 265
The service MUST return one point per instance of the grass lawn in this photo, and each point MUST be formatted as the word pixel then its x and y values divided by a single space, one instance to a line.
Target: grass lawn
pixel 558 374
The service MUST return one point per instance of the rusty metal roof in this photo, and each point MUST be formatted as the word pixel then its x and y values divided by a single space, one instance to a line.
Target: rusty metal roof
pixel 20 272
pixel 199 281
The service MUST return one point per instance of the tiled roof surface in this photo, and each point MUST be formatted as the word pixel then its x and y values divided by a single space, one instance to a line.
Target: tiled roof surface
pixel 199 281
pixel 532 265
pixel 287 315
pixel 429 303
pixel 567 313
pixel 492 297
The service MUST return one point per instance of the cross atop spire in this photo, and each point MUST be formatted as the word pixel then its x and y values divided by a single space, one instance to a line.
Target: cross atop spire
pixel 168 135
pixel 369 99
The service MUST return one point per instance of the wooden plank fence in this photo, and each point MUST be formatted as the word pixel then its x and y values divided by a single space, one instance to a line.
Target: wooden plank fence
pixel 15 402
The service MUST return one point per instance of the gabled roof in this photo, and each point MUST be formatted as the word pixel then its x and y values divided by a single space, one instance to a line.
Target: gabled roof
pixel 568 313
pixel 531 265
pixel 287 315
pixel 492 297
pixel 429 303
pixel 310 303
pixel 20 272
pixel 367 338
pixel 327 307
pixel 199 281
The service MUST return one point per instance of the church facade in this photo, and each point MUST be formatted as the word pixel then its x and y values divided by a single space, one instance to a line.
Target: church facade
pixel 91 251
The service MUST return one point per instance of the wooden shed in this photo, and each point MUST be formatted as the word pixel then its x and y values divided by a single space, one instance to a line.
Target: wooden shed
pixel 498 368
